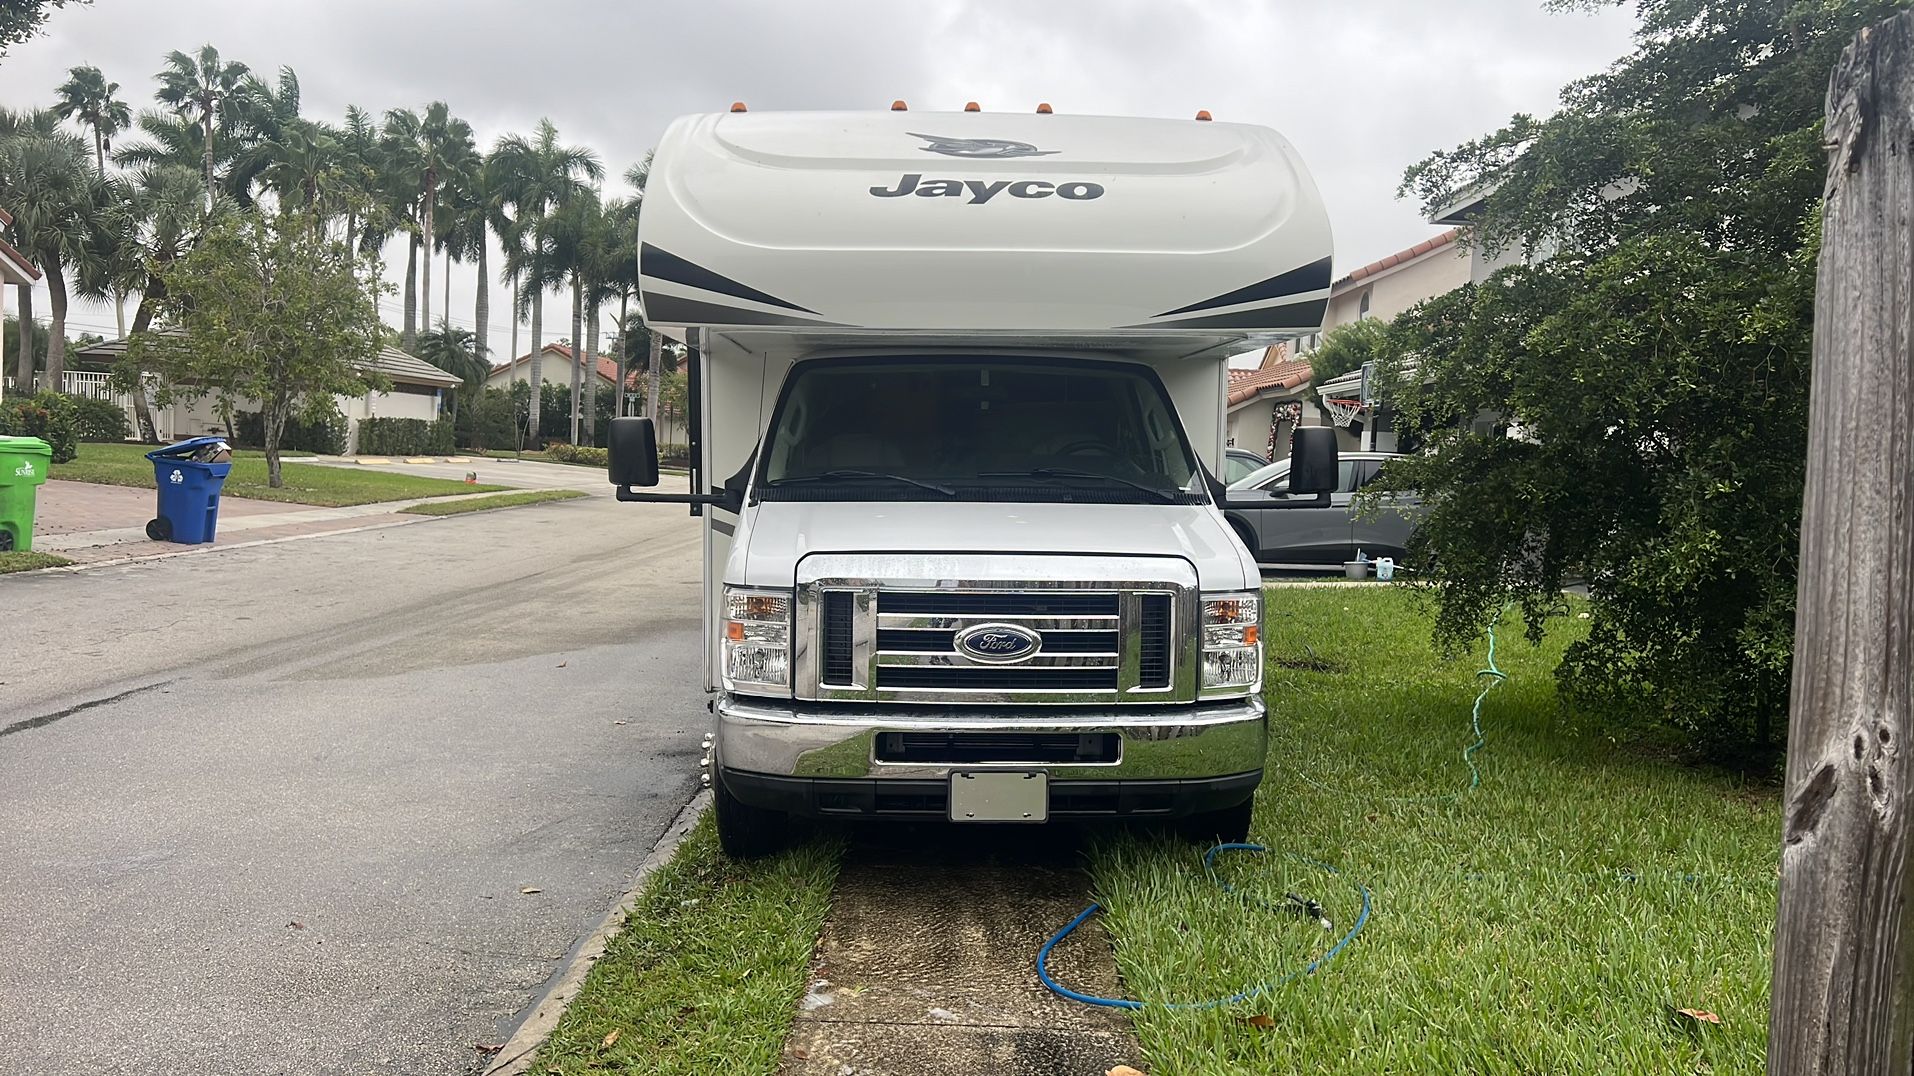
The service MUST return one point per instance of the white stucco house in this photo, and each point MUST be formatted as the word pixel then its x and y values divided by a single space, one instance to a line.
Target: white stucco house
pixel 419 390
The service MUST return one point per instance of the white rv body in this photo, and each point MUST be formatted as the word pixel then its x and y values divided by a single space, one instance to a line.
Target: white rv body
pixel 1140 252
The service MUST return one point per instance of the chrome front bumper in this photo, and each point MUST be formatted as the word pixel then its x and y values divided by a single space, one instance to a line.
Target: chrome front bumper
pixel 1203 740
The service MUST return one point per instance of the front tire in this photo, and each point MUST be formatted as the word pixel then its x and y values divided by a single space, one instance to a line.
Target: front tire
pixel 744 831
pixel 1225 825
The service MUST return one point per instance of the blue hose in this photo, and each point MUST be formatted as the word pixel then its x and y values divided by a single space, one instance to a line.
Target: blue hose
pixel 1209 859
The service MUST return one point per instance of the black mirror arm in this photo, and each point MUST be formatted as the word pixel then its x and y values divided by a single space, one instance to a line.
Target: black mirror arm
pixel 722 500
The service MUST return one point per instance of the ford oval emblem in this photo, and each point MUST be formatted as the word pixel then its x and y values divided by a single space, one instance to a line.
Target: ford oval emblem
pixel 998 644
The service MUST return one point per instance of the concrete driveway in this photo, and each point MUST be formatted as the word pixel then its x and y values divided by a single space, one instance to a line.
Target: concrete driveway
pixel 338 805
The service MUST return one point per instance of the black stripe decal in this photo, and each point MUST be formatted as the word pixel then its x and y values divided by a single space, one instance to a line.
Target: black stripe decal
pixel 722 527
pixel 672 310
pixel 665 265
pixel 1310 277
pixel 1303 315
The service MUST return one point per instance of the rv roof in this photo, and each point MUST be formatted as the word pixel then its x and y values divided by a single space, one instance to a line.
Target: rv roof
pixel 909 224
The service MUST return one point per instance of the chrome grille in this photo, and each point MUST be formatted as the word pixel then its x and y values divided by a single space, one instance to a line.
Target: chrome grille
pixel 866 634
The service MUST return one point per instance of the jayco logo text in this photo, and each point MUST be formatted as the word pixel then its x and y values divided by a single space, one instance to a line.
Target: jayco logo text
pixel 980 191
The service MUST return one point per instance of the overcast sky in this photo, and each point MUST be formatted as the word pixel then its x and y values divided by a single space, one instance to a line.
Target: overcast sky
pixel 1363 89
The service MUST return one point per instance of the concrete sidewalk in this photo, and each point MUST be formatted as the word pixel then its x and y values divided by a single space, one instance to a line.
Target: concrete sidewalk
pixel 88 523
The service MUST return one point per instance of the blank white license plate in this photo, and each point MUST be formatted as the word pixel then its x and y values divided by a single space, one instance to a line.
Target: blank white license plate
pixel 995 796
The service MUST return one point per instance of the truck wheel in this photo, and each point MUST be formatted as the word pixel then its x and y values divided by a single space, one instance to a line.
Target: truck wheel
pixel 1225 825
pixel 744 831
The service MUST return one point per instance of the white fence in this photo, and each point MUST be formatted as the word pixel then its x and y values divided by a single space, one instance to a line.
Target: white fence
pixel 96 386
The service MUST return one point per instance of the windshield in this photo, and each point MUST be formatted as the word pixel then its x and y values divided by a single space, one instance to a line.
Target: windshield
pixel 977 429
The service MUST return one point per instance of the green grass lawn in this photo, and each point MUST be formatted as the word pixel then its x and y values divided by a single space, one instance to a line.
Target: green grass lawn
pixel 306 483
pixel 483 504
pixel 1544 922
pixel 708 969
pixel 27 561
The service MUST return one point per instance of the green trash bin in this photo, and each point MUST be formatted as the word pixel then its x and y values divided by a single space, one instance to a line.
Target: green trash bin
pixel 23 466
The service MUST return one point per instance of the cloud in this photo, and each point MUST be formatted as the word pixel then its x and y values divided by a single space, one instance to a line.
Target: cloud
pixel 1362 89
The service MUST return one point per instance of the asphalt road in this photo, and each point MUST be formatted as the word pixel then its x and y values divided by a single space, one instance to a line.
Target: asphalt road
pixel 276 809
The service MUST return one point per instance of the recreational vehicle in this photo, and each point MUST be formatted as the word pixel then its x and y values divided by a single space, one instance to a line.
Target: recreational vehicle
pixel 956 389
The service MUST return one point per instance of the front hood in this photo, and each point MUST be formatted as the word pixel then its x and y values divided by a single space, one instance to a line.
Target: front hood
pixel 774 536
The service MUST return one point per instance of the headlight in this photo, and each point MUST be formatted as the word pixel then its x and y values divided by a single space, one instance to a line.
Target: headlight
pixel 1233 641
pixel 757 639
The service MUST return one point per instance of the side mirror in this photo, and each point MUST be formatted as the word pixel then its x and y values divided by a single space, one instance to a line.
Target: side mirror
pixel 633 452
pixel 1313 469
pixel 1313 462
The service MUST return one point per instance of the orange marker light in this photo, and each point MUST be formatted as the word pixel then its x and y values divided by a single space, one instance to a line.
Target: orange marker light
pixel 899 106
pixel 734 631
pixel 737 106
pixel 971 106
pixel 1251 634
pixel 1203 114
pixel 1043 109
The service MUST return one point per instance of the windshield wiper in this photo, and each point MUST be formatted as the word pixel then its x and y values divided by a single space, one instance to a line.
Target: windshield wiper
pixel 843 475
pixel 1163 496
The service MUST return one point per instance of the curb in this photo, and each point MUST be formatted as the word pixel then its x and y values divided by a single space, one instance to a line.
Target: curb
pixel 515 1057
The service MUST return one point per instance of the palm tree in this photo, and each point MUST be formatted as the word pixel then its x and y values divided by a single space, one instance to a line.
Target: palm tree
pixel 471 211
pixel 88 98
pixel 265 116
pixel 538 175
pixel 59 205
pixel 575 229
pixel 452 350
pixel 617 277
pixel 358 139
pixel 434 149
pixel 206 85
pixel 301 167
pixel 163 220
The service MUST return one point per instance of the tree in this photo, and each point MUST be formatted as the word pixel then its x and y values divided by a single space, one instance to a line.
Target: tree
pixel 21 19
pixel 472 211
pixel 89 99
pixel 537 175
pixel 59 205
pixel 1651 350
pixel 432 150
pixel 267 310
pixel 1347 347
pixel 205 88
pixel 452 349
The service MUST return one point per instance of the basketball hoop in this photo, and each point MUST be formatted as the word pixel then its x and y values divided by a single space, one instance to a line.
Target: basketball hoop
pixel 1342 411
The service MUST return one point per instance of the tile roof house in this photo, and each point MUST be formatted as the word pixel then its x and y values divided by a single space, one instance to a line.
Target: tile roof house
pixel 555 369
pixel 1264 403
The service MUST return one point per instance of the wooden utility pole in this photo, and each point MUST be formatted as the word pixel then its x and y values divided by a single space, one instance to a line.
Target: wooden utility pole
pixel 1844 950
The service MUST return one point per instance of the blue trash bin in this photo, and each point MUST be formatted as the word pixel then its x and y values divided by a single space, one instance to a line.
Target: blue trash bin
pixel 188 492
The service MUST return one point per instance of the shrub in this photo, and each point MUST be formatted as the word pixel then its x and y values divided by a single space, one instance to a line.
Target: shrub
pixel 323 433
pixel 490 420
pixel 404 436
pixel 49 416
pixel 99 420
pixel 565 453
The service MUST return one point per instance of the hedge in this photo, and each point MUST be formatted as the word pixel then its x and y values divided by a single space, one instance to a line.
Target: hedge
pixel 99 420
pixel 50 416
pixel 326 436
pixel 404 437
